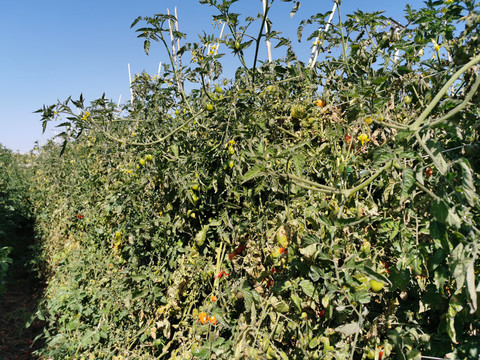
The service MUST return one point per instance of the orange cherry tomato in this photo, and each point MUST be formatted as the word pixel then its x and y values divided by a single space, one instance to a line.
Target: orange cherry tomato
pixel 203 317
pixel 213 319
pixel 320 102
pixel 348 138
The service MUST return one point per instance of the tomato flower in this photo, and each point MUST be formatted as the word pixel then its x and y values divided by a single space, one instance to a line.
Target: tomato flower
pixel 363 138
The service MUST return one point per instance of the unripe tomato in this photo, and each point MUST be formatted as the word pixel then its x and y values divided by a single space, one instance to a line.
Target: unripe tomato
pixel 407 99
pixel 376 286
pixel 231 150
pixel 237 45
pixel 218 89
pixel 142 162
pixel 209 107
pixel 231 164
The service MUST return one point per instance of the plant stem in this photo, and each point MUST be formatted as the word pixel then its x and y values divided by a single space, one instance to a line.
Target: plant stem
pixel 419 122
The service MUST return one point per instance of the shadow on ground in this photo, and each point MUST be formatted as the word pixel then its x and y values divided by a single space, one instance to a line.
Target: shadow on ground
pixel 19 303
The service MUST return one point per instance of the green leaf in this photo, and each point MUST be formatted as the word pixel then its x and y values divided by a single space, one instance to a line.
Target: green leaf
pixel 297 302
pixel 309 251
pixel 472 293
pixel 146 46
pixel 307 287
pixel 408 182
pixel 457 265
pixel 202 353
pixel 348 329
pixel 255 171
pixel 201 235
pixel 468 186
pixel 279 305
pixel 374 275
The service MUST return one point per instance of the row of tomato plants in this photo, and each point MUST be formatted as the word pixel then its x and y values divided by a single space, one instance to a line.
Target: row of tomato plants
pixel 290 212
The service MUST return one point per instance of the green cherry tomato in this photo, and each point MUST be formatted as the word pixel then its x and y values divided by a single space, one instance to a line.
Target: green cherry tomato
pixel 209 107
pixel 376 285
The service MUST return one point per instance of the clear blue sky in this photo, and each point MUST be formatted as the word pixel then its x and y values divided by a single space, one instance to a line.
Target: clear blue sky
pixel 52 49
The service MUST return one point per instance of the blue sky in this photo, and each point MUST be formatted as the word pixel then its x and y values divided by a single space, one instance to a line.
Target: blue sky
pixel 52 49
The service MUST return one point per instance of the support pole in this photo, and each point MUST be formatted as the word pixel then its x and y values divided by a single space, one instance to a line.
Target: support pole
pixel 315 49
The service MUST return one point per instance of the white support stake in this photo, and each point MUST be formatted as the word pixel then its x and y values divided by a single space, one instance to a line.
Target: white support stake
pixel 174 51
pixel 159 68
pixel 269 45
pixel 314 55
pixel 219 38
pixel 131 90
pixel 396 56
pixel 178 39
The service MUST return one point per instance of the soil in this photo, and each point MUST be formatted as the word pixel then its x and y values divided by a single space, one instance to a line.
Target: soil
pixel 17 307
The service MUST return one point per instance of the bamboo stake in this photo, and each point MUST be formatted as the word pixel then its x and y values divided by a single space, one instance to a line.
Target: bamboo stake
pixel 267 41
pixel 314 55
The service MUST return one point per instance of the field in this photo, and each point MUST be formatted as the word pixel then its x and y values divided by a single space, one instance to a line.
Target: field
pixel 323 210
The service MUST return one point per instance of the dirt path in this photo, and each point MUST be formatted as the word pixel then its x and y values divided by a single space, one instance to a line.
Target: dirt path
pixel 17 305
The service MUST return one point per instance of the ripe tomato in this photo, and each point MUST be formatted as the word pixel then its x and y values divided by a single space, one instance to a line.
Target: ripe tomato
pixel 428 172
pixel 348 138
pixel 213 319
pixel 214 298
pixel 320 102
pixel 203 317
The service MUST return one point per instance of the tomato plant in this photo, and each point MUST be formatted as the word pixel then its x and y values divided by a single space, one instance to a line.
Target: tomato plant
pixel 287 208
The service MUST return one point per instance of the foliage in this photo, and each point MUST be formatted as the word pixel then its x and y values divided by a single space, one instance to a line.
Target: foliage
pixel 282 216
pixel 15 208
